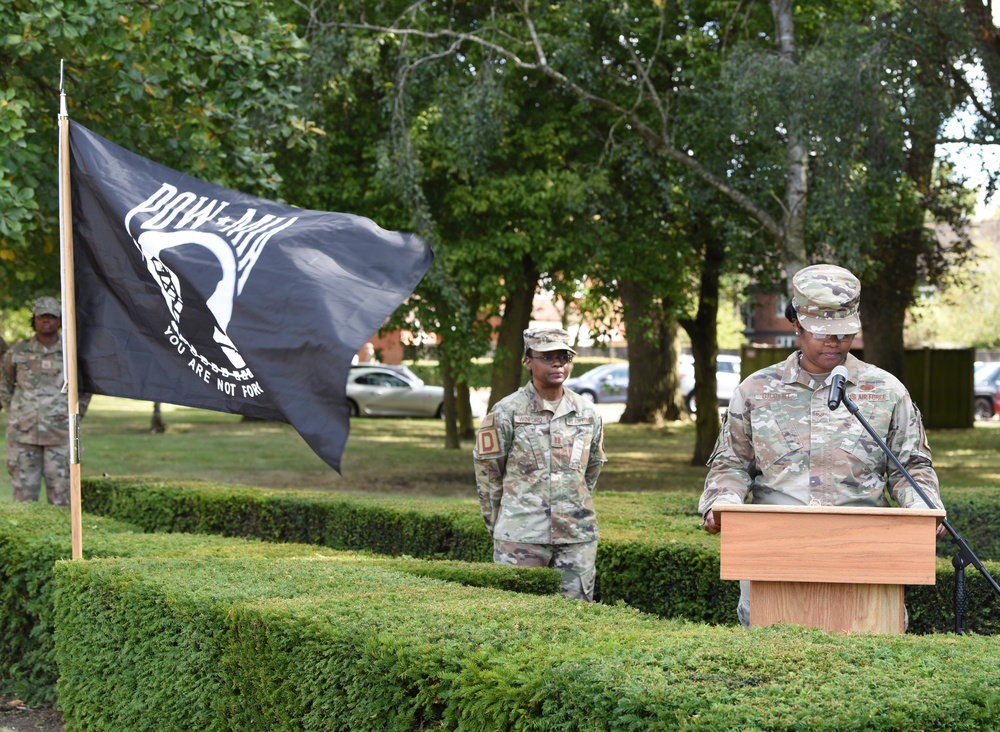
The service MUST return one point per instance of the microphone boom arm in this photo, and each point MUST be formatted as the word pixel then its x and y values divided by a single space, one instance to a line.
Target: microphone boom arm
pixel 965 555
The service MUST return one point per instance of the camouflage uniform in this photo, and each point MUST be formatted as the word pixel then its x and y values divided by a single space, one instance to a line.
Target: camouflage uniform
pixel 535 471
pixel 31 381
pixel 781 444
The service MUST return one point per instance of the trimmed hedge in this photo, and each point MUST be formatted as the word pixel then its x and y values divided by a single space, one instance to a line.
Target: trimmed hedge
pixel 238 644
pixel 652 554
pixel 34 537
pixel 384 525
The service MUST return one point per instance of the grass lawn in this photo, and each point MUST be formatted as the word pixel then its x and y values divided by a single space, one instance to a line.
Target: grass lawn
pixel 406 457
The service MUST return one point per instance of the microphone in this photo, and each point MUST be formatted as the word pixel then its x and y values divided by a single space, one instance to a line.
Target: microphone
pixel 838 383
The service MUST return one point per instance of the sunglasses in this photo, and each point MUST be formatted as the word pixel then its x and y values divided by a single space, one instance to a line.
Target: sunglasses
pixel 563 358
pixel 841 337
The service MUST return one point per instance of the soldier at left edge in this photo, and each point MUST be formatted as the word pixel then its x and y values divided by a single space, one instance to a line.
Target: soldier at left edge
pixel 31 390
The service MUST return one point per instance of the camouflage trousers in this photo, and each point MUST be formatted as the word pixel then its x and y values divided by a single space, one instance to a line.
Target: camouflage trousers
pixel 28 463
pixel 577 563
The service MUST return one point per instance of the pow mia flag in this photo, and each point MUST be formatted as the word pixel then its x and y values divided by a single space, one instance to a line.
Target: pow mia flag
pixel 192 294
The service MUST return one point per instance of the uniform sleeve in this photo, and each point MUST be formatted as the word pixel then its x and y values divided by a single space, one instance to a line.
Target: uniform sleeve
pixel 489 458
pixel 597 456
pixel 732 465
pixel 8 378
pixel 908 442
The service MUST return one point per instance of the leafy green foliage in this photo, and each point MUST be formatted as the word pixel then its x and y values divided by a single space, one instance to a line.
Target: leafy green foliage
pixel 34 537
pixel 653 554
pixel 968 312
pixel 202 87
pixel 291 644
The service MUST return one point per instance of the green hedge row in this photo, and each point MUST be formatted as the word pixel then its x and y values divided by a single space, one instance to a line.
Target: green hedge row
pixel 34 537
pixel 159 644
pixel 652 554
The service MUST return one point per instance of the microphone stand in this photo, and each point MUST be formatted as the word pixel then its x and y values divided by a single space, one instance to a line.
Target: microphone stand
pixel 965 555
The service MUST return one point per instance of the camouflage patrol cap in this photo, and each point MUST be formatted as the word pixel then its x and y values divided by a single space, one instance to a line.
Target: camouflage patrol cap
pixel 547 339
pixel 826 299
pixel 47 306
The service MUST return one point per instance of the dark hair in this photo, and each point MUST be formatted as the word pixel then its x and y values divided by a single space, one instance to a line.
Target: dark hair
pixel 790 313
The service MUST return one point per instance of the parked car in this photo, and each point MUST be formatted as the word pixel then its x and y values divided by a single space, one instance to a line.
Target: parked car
pixel 609 383
pixel 604 384
pixel 987 382
pixel 394 391
pixel 727 378
pixel 996 401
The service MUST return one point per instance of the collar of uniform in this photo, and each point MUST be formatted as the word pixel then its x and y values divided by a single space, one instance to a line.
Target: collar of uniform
pixel 791 370
pixel 567 405
pixel 853 369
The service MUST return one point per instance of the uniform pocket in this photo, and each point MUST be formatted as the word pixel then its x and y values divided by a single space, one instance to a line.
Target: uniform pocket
pixel 773 440
pixel 858 442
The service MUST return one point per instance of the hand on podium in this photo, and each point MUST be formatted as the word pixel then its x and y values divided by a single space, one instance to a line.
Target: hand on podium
pixel 710 525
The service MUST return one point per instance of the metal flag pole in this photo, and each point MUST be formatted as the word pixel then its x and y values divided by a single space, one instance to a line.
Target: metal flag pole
pixel 66 268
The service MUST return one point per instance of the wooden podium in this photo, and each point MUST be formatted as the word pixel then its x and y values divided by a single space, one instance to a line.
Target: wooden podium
pixel 840 569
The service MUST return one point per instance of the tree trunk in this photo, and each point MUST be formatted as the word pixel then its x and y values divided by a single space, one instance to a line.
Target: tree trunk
pixel 984 30
pixel 451 441
pixel 157 426
pixel 653 383
pixel 466 430
pixel 884 299
pixel 506 376
pixel 793 220
pixel 887 294
pixel 703 331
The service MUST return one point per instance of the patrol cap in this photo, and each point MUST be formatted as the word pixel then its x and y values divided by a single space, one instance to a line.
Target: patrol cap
pixel 547 339
pixel 826 299
pixel 47 306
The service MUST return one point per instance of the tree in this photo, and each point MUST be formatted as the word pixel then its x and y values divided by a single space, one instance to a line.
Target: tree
pixel 966 314
pixel 620 60
pixel 199 86
pixel 495 175
pixel 982 101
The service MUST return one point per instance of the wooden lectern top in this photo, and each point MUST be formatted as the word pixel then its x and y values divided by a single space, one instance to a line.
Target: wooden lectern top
pixel 840 544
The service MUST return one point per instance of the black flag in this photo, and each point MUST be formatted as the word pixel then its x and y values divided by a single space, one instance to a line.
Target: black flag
pixel 192 294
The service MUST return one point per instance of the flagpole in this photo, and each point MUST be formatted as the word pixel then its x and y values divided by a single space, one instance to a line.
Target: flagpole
pixel 69 323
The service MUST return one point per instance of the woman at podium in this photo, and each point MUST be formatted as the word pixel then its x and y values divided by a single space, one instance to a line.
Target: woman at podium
pixel 782 444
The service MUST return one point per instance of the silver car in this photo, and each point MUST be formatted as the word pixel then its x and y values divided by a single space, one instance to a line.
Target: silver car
pixel 727 378
pixel 394 391
pixel 604 384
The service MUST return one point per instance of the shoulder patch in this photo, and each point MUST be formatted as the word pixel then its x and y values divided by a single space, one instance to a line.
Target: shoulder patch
pixel 487 441
pixel 488 420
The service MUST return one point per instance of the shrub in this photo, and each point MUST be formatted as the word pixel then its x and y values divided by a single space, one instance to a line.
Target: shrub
pixel 652 552
pixel 158 644
pixel 34 537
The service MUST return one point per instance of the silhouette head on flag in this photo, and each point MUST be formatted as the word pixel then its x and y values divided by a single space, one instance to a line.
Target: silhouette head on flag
pixel 192 294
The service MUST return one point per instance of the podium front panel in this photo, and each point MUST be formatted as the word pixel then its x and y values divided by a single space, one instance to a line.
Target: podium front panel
pixel 835 607
pixel 828 544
